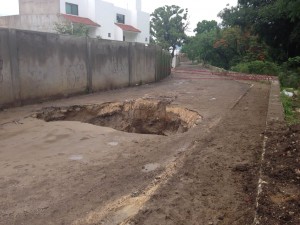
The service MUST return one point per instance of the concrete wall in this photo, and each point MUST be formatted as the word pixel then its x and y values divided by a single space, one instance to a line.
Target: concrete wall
pixel 109 64
pixel 6 73
pixel 143 70
pixel 38 7
pixel 50 64
pixel 36 66
pixel 38 22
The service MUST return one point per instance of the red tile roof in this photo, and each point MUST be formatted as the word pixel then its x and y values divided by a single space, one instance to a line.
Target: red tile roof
pixel 81 20
pixel 130 28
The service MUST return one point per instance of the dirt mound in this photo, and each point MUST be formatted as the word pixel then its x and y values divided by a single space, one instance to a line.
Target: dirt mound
pixel 280 201
pixel 145 116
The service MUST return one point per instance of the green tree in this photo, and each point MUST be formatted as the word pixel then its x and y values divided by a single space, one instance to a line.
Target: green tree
pixel 168 26
pixel 222 47
pixel 71 29
pixel 206 26
pixel 201 48
pixel 276 22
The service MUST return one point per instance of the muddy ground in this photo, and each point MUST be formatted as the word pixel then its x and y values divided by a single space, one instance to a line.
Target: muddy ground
pixel 279 202
pixel 74 171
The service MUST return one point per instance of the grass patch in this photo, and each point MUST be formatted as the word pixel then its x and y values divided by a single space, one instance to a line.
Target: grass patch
pixel 257 67
pixel 290 104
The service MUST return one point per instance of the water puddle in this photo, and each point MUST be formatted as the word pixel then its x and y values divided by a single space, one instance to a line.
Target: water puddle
pixel 76 157
pixel 113 143
pixel 150 167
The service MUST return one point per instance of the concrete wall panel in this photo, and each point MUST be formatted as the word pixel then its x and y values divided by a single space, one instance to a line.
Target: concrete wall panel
pixel 38 66
pixel 148 73
pixel 40 22
pixel 6 83
pixel 38 7
pixel 109 64
pixel 143 64
pixel 51 65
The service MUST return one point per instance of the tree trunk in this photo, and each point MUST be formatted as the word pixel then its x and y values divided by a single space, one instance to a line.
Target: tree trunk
pixel 173 51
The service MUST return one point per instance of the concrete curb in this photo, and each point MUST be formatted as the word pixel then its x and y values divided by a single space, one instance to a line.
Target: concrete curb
pixel 275 115
pixel 275 109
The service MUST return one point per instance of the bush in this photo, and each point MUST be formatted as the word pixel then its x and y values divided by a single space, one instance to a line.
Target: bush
pixel 293 63
pixel 71 29
pixel 289 79
pixel 241 67
pixel 290 75
pixel 289 106
pixel 257 67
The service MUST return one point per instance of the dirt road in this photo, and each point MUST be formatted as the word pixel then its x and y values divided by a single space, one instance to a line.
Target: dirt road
pixel 69 172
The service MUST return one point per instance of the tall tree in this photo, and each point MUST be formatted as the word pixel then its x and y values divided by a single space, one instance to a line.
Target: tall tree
pixel 205 26
pixel 277 22
pixel 168 26
pixel 224 47
pixel 201 48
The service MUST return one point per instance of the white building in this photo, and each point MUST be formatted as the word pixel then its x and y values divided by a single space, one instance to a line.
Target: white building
pixel 104 19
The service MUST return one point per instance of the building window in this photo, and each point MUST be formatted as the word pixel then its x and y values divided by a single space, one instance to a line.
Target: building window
pixel 109 35
pixel 71 9
pixel 120 18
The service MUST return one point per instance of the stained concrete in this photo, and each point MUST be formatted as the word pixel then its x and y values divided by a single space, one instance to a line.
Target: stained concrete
pixel 36 66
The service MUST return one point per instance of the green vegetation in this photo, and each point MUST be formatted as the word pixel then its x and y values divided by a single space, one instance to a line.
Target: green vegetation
pixel 275 22
pixel 290 106
pixel 168 26
pixel 290 74
pixel 256 36
pixel 206 26
pixel 224 47
pixel 257 67
pixel 71 29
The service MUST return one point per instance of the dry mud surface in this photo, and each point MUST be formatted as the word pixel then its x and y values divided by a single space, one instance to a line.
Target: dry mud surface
pixel 202 170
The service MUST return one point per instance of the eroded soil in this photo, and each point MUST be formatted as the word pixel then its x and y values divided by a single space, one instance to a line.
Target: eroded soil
pixel 143 116
pixel 280 200
pixel 73 172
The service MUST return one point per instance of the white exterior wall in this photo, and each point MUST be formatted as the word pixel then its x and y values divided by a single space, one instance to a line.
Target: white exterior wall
pixel 118 33
pixel 86 8
pixel 125 12
pixel 104 17
pixel 99 11
pixel 128 20
pixel 143 24
pixel 134 5
pixel 131 36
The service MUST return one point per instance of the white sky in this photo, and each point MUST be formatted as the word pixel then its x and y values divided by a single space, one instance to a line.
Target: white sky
pixel 198 9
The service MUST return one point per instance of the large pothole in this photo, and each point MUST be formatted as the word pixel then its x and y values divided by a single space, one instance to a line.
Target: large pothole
pixel 145 116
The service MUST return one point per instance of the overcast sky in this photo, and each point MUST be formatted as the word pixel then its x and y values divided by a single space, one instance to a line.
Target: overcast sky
pixel 198 9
